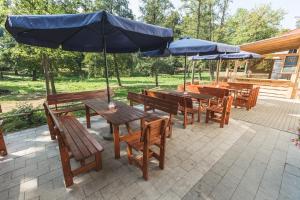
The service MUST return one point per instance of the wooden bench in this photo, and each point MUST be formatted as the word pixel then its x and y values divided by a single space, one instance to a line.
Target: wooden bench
pixel 185 104
pixel 74 142
pixel 151 103
pixel 3 151
pixel 67 98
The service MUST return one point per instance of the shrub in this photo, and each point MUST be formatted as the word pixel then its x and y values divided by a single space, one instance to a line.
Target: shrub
pixel 15 120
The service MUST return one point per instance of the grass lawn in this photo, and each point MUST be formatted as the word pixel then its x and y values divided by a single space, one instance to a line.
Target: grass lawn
pixel 23 89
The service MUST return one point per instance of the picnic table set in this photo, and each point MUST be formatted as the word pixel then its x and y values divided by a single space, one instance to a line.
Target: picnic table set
pixel 105 33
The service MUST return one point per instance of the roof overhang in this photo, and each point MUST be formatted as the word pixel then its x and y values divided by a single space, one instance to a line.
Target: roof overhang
pixel 290 40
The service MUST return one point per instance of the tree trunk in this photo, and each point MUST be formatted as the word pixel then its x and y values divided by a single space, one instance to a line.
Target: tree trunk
pixel 46 73
pixel 193 72
pixel 117 70
pixel 1 75
pixel 51 77
pixel 16 72
pixel 156 78
pixel 200 73
pixel 198 19
pixel 34 78
pixel 211 71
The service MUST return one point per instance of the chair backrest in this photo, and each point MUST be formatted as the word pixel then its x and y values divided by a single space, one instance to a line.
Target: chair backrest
pixel 55 99
pixel 153 130
pixel 214 91
pixel 228 103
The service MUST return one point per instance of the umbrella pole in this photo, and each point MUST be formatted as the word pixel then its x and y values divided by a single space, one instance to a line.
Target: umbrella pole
pixel 184 78
pixel 218 70
pixel 109 135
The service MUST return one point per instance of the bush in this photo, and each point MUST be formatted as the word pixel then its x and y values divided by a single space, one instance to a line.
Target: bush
pixel 14 121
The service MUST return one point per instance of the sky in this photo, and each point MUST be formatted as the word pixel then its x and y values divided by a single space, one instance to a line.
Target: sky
pixel 291 7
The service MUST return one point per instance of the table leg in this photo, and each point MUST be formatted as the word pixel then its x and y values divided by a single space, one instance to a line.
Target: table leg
pixel 116 141
pixel 88 117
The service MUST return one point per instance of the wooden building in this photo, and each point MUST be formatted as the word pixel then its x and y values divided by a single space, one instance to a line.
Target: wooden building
pixel 285 51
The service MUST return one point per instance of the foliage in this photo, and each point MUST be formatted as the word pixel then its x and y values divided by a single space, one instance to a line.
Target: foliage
pixel 252 25
pixel 19 121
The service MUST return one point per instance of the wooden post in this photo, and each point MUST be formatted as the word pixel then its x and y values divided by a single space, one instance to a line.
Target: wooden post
pixel 297 73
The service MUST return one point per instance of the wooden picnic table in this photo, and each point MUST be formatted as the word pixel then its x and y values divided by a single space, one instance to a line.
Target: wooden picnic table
pixel 122 114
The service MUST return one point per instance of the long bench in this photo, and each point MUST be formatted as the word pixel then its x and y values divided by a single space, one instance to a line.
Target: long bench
pixel 74 142
pixel 151 103
pixel 63 103
pixel 185 104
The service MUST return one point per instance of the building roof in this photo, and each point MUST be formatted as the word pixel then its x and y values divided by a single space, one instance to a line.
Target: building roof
pixel 284 42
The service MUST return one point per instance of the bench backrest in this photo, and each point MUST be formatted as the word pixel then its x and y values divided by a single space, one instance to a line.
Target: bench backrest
pixel 240 86
pixel 170 107
pixel 214 91
pixel 55 99
pixel 182 101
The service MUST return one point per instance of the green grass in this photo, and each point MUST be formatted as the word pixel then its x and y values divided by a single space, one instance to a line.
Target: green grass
pixel 23 89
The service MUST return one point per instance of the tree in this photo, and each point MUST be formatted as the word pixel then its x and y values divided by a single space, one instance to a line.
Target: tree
pixel 251 25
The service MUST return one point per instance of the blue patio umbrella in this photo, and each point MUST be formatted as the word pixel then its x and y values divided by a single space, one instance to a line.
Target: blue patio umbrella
pixel 232 56
pixel 190 46
pixel 92 32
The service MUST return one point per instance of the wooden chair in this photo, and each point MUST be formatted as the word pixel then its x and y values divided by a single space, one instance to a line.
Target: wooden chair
pixel 152 134
pixel 74 142
pixel 3 151
pixel 246 100
pixel 220 113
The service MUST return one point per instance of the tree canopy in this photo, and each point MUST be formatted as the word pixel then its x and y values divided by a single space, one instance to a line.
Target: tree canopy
pixel 205 19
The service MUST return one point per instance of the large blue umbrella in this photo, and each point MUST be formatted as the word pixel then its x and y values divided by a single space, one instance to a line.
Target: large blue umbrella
pixel 93 32
pixel 232 56
pixel 190 46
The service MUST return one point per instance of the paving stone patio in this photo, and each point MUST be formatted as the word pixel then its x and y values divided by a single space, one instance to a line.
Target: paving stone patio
pixel 241 161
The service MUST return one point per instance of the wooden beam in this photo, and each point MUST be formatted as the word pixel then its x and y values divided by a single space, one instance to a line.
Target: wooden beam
pixel 295 87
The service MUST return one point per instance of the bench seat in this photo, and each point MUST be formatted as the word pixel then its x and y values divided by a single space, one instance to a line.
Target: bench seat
pixel 82 145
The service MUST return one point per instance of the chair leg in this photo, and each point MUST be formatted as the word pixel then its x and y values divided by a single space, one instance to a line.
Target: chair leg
pixel 193 118
pixel 207 116
pixel 129 154
pixel 98 161
pixel 185 119
pixel 145 164
pixel 199 116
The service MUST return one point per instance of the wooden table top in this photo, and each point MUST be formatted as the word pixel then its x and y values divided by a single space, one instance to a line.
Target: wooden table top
pixel 122 114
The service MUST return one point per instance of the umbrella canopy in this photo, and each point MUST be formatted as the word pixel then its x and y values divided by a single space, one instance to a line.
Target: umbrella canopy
pixel 87 32
pixel 156 53
pixel 191 46
pixel 232 56
pixel 93 32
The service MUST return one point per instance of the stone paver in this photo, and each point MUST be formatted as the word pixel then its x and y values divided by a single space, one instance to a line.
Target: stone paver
pixel 241 161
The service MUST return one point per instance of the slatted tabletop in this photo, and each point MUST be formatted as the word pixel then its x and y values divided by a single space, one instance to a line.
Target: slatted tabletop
pixel 122 114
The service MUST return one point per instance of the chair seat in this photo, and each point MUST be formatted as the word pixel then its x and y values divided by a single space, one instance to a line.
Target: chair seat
pixel 215 108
